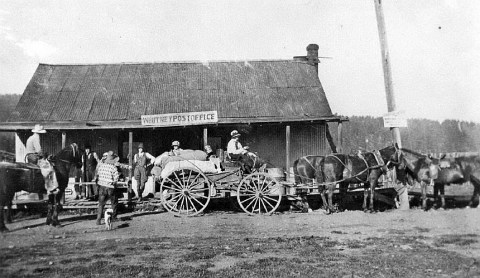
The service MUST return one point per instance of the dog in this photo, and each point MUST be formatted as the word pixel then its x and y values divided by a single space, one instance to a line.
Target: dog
pixel 108 218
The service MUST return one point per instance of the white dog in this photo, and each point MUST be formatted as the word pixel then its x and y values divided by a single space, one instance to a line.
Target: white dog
pixel 108 218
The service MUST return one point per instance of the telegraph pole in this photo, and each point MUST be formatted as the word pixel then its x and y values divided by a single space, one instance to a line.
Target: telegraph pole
pixel 387 74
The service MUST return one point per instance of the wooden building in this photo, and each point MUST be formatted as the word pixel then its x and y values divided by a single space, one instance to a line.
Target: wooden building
pixel 279 107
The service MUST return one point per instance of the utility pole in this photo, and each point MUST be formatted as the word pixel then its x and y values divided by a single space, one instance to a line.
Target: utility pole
pixel 387 74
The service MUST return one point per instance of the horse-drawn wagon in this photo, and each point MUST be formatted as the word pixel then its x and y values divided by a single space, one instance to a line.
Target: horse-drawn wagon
pixel 187 189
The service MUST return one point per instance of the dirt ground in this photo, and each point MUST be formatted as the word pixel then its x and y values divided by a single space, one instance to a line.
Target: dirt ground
pixel 393 243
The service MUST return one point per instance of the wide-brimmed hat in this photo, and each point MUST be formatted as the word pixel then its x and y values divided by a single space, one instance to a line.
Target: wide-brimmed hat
pixel 38 129
pixel 175 143
pixel 111 158
pixel 234 134
pixel 140 146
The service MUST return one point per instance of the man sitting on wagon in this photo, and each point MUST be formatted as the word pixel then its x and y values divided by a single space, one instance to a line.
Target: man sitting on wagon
pixel 234 148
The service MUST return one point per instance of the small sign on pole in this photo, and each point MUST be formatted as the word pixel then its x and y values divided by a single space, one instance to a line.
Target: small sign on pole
pixel 395 119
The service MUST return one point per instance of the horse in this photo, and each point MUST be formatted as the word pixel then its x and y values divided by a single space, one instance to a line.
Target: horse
pixel 307 171
pixel 19 176
pixel 14 177
pixel 440 172
pixel 250 162
pixel 345 169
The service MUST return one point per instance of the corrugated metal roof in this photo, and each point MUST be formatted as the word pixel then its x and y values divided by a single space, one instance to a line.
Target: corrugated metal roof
pixel 280 89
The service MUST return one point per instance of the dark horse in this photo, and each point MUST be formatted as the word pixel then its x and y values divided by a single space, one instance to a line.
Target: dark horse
pixel 440 172
pixel 15 177
pixel 251 162
pixel 345 169
pixel 307 171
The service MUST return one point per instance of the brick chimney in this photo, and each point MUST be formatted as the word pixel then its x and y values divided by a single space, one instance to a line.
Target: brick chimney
pixel 312 56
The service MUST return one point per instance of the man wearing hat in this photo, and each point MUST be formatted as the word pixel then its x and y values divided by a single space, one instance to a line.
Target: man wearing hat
pixel 142 160
pixel 33 147
pixel 107 177
pixel 175 149
pixel 89 165
pixel 234 148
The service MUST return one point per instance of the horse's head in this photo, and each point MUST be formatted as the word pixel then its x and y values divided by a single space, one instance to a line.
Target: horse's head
pixel 420 166
pixel 391 155
pixel 70 154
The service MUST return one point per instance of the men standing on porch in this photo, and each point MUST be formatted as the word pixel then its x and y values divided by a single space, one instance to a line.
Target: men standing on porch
pixel 33 147
pixel 107 177
pixel 234 148
pixel 142 160
pixel 89 164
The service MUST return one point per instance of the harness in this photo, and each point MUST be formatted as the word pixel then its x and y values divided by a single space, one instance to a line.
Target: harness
pixel 349 170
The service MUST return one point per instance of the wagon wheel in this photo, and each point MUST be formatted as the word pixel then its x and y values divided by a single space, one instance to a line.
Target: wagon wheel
pixel 259 193
pixel 185 192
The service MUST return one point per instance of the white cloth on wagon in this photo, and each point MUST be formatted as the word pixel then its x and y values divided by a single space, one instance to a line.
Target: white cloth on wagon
pixel 207 167
pixel 164 158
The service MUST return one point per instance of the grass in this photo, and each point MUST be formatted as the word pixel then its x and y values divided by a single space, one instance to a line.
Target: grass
pixel 251 257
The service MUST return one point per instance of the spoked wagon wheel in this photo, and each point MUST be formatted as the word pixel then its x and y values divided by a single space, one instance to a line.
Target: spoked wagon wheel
pixel 185 192
pixel 259 193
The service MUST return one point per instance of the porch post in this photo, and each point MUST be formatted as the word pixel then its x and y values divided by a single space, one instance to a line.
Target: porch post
pixel 130 165
pixel 64 142
pixel 287 151
pixel 64 139
pixel 339 137
pixel 205 136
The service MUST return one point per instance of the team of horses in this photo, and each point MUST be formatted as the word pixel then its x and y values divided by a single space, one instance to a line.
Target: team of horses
pixel 324 172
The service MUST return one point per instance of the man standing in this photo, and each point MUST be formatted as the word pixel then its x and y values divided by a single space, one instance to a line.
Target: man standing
pixel 107 178
pixel 142 160
pixel 234 148
pixel 90 161
pixel 33 147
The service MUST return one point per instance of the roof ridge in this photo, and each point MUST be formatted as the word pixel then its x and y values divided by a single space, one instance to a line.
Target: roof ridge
pixel 175 62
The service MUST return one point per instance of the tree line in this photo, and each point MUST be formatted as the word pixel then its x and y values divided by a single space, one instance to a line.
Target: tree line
pixel 426 136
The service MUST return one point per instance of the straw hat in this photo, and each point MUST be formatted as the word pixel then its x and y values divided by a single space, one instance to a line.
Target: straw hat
pixel 38 129
pixel 234 134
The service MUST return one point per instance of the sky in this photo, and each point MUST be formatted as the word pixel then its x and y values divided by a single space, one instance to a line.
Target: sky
pixel 434 45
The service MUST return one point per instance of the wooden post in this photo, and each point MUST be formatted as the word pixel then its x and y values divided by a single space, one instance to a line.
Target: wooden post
pixel 64 139
pixel 205 136
pixel 130 165
pixel 64 142
pixel 340 137
pixel 287 151
pixel 387 74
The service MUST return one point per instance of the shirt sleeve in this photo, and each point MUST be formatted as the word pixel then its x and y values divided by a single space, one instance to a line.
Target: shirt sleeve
pixel 151 157
pixel 115 174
